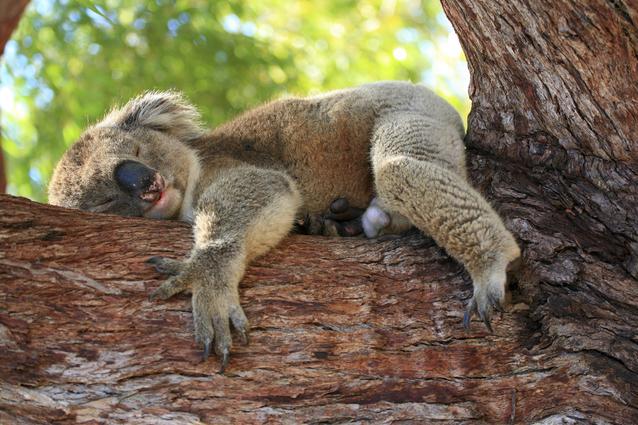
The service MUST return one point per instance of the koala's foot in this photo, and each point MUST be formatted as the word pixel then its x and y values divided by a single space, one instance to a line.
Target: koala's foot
pixel 214 308
pixel 489 295
pixel 166 265
pixel 341 219
pixel 213 311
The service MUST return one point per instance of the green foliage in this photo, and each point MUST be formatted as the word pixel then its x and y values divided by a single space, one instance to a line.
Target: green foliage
pixel 71 60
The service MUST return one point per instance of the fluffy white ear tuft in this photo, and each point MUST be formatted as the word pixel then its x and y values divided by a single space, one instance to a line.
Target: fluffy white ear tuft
pixel 166 111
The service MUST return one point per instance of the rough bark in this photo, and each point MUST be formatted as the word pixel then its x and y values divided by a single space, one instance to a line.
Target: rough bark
pixel 343 329
pixel 10 12
pixel 552 138
pixel 348 330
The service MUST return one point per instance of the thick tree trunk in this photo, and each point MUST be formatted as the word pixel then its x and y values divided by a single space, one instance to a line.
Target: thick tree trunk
pixel 554 142
pixel 349 330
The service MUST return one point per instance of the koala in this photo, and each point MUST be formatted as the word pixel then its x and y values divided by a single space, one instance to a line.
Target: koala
pixel 393 150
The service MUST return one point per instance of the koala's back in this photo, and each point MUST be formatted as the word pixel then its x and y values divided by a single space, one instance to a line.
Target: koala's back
pixel 324 141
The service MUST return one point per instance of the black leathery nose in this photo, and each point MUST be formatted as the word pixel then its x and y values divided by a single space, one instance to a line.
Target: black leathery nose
pixel 133 176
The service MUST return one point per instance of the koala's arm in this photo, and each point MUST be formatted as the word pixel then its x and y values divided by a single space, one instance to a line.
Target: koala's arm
pixel 241 215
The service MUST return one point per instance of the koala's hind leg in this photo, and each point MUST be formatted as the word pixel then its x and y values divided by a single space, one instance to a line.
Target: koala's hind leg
pixel 417 177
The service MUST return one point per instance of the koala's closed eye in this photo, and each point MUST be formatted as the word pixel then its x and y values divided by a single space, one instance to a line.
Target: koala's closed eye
pixel 103 206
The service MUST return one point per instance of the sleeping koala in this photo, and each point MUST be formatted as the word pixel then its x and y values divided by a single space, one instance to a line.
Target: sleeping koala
pixel 392 148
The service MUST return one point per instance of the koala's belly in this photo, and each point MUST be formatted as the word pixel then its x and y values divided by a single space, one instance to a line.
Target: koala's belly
pixel 326 174
pixel 327 151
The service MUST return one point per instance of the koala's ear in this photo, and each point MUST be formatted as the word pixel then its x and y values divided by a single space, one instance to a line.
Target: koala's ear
pixel 167 111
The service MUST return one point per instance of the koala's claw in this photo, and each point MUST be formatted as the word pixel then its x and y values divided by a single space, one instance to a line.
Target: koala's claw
pixel 483 310
pixel 469 311
pixel 224 362
pixel 206 353
pixel 164 265
pixel 496 303
pixel 243 336
pixel 488 324
pixel 213 313
pixel 225 355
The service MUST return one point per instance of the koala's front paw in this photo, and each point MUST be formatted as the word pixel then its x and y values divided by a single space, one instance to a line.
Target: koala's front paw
pixel 213 311
pixel 488 296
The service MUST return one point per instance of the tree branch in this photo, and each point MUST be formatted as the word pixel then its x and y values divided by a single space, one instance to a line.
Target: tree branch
pixel 342 329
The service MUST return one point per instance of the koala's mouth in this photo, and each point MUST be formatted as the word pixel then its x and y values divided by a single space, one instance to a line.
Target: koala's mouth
pixel 164 200
pixel 155 191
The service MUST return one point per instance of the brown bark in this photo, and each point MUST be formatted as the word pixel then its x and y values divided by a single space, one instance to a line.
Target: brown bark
pixel 343 329
pixel 552 138
pixel 10 12
pixel 354 330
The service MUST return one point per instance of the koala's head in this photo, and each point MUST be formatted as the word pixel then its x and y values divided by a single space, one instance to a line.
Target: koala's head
pixel 134 162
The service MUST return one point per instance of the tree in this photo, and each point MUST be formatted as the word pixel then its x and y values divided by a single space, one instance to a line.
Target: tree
pixel 347 329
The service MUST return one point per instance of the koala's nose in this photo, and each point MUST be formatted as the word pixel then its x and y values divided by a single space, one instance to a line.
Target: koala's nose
pixel 136 178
